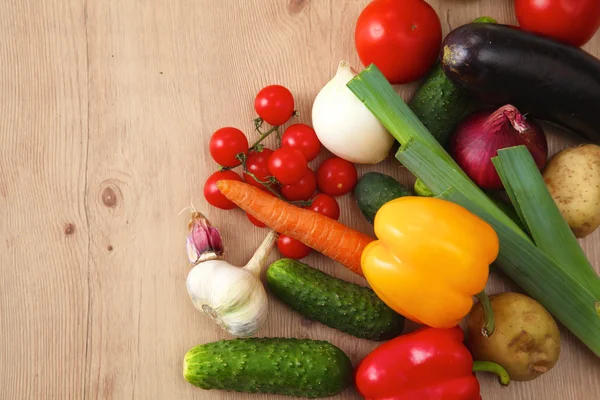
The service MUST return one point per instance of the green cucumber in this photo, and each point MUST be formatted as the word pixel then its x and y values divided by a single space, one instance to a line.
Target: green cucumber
pixel 439 104
pixel 338 304
pixel 293 367
pixel 422 190
pixel 373 190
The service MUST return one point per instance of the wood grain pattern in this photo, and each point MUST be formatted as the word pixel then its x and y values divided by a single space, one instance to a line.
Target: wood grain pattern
pixel 106 107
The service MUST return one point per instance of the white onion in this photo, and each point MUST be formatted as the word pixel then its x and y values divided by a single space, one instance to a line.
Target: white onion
pixel 345 126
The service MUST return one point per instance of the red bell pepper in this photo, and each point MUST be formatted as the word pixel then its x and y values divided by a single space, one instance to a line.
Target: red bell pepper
pixel 428 364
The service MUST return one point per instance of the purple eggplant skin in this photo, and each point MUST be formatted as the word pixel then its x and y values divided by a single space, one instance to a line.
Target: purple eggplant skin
pixel 501 64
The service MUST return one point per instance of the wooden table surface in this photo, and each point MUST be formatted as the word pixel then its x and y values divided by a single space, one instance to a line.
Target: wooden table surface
pixel 106 107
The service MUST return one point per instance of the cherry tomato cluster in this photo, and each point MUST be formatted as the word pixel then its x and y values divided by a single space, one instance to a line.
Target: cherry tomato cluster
pixel 283 172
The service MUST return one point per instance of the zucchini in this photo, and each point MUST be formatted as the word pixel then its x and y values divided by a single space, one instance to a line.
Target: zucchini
pixel 373 190
pixel 502 65
pixel 439 104
pixel 338 304
pixel 293 367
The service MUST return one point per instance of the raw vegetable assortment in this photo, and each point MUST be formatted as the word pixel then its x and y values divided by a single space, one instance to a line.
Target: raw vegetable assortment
pixel 552 268
pixel 282 172
pixel 470 127
pixel 503 65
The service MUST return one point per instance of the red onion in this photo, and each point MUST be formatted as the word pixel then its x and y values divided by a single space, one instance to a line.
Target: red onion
pixel 479 137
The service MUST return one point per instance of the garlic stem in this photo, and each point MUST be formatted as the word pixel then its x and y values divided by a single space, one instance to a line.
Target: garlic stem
pixel 258 260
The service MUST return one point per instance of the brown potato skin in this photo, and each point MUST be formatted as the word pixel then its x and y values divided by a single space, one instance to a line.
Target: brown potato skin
pixel 526 341
pixel 573 179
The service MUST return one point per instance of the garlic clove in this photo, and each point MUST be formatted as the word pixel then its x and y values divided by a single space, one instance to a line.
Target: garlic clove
pixel 203 241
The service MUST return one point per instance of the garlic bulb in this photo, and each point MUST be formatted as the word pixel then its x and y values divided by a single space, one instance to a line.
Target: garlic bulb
pixel 234 297
pixel 345 126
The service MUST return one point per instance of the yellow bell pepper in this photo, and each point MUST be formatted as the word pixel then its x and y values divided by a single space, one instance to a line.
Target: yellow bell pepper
pixel 432 256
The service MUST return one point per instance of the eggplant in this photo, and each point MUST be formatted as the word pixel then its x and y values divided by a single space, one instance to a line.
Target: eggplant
pixel 501 64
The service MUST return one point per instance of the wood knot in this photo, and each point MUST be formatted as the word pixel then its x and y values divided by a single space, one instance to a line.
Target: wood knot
pixel 109 197
pixel 296 6
pixel 69 229
pixel 110 248
pixel 306 322
pixel 110 194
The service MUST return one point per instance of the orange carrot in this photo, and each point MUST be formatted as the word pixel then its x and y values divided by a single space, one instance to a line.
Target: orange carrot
pixel 335 240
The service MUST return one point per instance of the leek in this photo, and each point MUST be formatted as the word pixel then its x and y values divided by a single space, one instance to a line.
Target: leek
pixel 543 273
pixel 528 192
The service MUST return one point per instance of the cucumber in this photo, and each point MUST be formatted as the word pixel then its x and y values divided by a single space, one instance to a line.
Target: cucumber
pixel 373 190
pixel 293 367
pixel 422 190
pixel 440 104
pixel 338 304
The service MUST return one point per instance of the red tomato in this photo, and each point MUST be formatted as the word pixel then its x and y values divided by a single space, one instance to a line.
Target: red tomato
pixel 255 221
pixel 303 190
pixel 292 248
pixel 326 205
pixel 213 195
pixel 570 21
pixel 274 104
pixel 225 144
pixel 257 163
pixel 287 165
pixel 302 137
pixel 336 176
pixel 402 38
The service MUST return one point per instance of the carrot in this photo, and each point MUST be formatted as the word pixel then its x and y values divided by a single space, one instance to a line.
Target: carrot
pixel 329 237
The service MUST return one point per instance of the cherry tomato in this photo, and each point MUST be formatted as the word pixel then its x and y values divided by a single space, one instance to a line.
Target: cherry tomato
pixel 255 221
pixel 257 163
pixel 274 104
pixel 336 176
pixel 303 189
pixel 213 195
pixel 287 165
pixel 225 144
pixel 388 29
pixel 302 137
pixel 570 21
pixel 292 248
pixel 326 205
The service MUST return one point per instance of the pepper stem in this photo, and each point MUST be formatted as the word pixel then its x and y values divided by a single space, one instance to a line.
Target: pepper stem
pixel 489 326
pixel 497 369
pixel 258 260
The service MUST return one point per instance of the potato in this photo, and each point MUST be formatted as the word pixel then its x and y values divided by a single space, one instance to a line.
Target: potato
pixel 573 179
pixel 526 341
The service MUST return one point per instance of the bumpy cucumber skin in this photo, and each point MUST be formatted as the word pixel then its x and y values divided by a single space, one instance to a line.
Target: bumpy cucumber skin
pixel 440 105
pixel 338 304
pixel 293 367
pixel 373 190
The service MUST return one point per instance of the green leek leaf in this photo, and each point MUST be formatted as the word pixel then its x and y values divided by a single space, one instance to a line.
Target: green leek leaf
pixel 528 192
